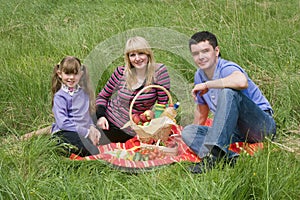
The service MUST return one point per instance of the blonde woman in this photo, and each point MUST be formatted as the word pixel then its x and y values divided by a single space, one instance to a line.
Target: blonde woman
pixel 113 102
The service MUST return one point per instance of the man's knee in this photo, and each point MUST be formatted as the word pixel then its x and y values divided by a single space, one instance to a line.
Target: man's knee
pixel 188 132
pixel 229 91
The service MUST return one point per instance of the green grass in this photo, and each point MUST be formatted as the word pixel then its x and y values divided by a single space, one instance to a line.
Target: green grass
pixel 262 36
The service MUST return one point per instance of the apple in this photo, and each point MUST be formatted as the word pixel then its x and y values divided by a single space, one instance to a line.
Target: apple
pixel 136 118
pixel 143 117
pixel 146 123
pixel 149 115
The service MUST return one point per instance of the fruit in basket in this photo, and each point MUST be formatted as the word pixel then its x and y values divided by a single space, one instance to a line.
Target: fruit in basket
pixel 143 118
pixel 149 114
pixel 136 118
pixel 146 123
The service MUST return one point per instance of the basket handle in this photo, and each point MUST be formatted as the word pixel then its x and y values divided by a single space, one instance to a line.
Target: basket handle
pixel 142 90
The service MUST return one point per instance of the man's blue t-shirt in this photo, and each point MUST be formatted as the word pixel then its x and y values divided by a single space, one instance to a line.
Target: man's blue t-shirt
pixel 223 69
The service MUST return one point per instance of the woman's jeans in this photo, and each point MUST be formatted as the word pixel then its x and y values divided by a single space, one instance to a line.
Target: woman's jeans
pixel 237 119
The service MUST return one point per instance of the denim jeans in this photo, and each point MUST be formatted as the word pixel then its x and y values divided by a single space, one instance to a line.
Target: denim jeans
pixel 237 119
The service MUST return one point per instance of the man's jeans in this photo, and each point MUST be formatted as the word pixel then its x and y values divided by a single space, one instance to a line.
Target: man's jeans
pixel 237 119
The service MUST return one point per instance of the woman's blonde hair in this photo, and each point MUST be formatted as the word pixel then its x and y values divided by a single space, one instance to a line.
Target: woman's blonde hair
pixel 141 45
pixel 71 64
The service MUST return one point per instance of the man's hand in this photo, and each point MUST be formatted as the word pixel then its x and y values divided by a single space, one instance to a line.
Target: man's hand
pixel 202 87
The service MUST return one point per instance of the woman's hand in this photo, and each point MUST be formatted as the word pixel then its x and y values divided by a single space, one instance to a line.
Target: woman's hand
pixel 103 123
pixel 94 135
pixel 202 87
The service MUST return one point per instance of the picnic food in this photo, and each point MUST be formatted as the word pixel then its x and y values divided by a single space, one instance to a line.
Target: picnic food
pixel 146 154
pixel 159 128
pixel 136 118
pixel 149 114
pixel 144 118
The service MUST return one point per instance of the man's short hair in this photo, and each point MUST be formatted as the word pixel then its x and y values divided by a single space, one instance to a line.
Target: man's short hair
pixel 203 36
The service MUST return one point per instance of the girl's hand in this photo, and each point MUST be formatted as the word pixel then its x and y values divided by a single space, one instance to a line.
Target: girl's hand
pixel 202 87
pixel 94 135
pixel 103 123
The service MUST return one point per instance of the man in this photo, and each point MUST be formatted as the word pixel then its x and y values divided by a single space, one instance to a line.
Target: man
pixel 241 112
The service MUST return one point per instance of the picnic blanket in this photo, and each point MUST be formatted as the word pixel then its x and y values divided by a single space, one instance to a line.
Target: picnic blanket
pixel 121 155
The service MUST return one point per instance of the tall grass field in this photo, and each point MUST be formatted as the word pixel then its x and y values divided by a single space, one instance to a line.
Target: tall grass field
pixel 261 36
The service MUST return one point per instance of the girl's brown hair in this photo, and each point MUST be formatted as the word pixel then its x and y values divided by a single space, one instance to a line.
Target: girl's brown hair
pixel 141 45
pixel 71 64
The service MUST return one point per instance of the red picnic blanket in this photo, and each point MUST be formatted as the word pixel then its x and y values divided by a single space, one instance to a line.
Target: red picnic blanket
pixel 121 155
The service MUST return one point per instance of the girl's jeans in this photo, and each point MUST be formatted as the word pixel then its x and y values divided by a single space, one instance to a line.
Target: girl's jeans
pixel 237 119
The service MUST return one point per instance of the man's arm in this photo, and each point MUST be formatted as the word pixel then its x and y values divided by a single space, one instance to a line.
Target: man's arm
pixel 201 114
pixel 236 80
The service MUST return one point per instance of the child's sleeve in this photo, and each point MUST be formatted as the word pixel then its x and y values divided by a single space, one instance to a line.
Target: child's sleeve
pixel 62 119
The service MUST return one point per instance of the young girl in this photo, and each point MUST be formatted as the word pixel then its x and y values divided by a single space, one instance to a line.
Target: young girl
pixel 72 105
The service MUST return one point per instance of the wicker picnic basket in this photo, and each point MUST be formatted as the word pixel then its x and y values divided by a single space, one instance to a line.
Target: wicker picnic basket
pixel 159 128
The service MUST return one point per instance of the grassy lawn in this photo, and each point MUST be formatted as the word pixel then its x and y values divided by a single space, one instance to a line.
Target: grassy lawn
pixel 262 36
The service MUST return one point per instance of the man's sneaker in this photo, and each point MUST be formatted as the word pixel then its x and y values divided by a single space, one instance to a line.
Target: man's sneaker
pixel 204 166
pixel 209 162
pixel 231 161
